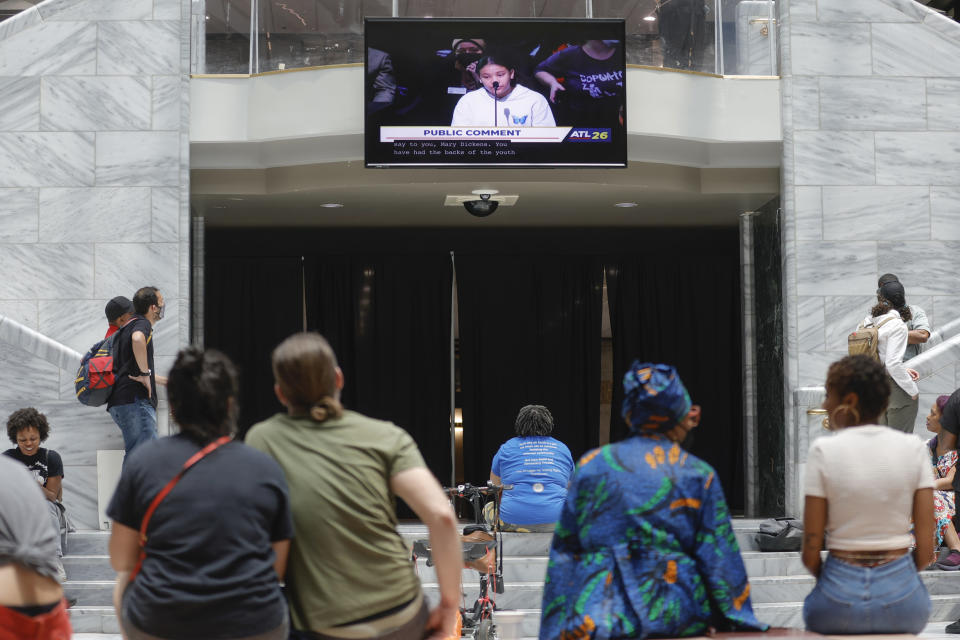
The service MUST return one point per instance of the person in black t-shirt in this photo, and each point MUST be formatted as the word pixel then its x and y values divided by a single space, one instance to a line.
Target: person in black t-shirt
pixel 217 544
pixel 586 84
pixel 27 429
pixel 949 428
pixel 133 403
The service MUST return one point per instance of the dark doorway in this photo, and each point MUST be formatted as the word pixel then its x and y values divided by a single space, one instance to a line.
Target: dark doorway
pixel 529 320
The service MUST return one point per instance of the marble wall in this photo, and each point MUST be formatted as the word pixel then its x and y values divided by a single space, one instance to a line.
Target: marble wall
pixel 870 93
pixel 94 171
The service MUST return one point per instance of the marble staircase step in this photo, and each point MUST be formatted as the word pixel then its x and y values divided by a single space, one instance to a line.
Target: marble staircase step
pixel 775 589
pixel 88 543
pixel 522 569
pixel 93 619
pixel 88 568
pixel 519 595
pixel 514 544
pixel 946 608
pixel 761 564
pixel 90 593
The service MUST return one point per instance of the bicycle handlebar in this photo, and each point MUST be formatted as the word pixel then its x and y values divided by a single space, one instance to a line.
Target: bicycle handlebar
pixel 469 490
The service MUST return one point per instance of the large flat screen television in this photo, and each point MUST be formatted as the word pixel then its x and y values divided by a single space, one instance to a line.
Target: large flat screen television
pixel 495 92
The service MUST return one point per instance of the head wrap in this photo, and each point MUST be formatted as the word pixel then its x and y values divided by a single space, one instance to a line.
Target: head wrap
pixel 654 398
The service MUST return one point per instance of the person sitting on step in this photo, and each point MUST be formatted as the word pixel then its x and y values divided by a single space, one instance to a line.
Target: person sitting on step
pixel 944 501
pixel 539 468
pixel 644 545
pixel 201 522
pixel 864 486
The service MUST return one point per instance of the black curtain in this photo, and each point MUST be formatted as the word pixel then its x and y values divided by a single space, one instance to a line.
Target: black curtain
pixel 387 317
pixel 251 304
pixel 684 309
pixel 529 334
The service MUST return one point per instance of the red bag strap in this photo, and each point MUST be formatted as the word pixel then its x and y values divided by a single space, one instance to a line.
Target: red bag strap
pixel 194 459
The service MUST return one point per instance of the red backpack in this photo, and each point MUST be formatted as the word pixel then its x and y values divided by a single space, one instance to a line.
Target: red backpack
pixel 97 375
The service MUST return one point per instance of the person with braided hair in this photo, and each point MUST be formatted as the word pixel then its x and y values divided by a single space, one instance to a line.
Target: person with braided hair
pixel 216 543
pixel 863 512
pixel 538 467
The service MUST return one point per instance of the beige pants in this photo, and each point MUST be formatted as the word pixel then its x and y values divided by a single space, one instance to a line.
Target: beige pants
pixel 902 409
pixel 407 624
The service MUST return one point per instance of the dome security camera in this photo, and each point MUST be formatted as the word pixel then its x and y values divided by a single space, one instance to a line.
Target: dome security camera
pixel 484 206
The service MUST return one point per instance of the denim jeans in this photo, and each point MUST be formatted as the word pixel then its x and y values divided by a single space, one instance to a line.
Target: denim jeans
pixel 54 511
pixel 851 599
pixel 137 422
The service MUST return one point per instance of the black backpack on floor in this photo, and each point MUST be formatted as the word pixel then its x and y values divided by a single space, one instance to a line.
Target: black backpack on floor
pixel 780 534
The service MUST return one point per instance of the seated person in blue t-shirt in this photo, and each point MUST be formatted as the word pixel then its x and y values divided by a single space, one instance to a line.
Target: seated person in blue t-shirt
pixel 539 468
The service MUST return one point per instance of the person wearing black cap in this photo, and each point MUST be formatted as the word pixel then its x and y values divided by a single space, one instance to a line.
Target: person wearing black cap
pixel 890 316
pixel 133 402
pixel 918 327
pixel 118 311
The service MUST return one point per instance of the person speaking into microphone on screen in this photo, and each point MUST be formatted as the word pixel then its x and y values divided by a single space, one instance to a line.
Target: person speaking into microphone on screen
pixel 501 101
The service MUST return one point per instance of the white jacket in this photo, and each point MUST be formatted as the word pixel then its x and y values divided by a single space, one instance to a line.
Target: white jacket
pixel 892 342
pixel 521 107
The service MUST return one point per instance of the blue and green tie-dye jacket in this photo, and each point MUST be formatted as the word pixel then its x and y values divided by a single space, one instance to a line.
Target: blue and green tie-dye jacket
pixel 644 546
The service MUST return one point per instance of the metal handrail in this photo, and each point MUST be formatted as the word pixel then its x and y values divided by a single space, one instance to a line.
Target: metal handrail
pixel 943 354
pixel 38 344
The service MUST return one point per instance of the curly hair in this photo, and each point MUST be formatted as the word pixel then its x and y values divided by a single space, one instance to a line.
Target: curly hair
pixel 884 306
pixel 203 388
pixel 533 420
pixel 24 418
pixel 865 377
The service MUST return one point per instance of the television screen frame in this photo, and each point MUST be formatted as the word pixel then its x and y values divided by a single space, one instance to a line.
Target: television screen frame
pixel 412 88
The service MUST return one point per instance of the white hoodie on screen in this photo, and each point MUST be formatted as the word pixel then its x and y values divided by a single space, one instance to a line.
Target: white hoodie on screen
pixel 520 108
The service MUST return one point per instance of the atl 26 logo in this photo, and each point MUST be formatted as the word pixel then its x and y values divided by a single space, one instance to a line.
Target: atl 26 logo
pixel 589 135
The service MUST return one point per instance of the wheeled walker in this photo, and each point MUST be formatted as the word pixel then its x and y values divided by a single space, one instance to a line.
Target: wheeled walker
pixel 482 551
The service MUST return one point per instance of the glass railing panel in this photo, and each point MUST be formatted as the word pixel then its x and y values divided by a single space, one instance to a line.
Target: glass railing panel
pixel 493 8
pixel 749 46
pixel 715 36
pixel 312 33
pixel 227 37
pixel 676 34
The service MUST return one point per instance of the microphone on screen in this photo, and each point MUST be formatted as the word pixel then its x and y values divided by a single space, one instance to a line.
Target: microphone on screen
pixel 496 87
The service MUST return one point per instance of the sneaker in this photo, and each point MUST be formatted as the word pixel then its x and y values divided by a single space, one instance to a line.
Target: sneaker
pixel 953 627
pixel 950 563
pixel 72 601
pixel 61 572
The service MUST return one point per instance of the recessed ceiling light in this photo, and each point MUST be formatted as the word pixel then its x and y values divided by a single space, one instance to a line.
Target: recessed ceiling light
pixel 625 205
pixel 649 18
pixel 331 205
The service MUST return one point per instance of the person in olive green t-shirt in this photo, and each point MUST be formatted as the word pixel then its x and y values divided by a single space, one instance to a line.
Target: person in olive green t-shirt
pixel 347 562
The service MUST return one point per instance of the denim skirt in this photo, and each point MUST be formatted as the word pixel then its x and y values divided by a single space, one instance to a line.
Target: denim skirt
pixel 847 598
